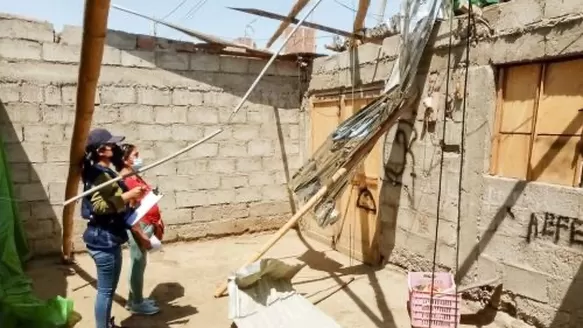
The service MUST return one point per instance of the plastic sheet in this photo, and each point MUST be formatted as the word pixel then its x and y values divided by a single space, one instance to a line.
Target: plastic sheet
pixel 415 20
pixel 19 307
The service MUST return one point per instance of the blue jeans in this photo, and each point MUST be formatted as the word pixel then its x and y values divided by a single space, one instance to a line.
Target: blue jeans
pixel 139 259
pixel 108 270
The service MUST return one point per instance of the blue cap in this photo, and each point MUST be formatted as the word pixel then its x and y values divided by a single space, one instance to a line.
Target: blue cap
pixel 99 137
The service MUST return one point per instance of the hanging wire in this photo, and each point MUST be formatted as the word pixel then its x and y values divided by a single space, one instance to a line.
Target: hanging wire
pixel 174 10
pixel 462 154
pixel 440 183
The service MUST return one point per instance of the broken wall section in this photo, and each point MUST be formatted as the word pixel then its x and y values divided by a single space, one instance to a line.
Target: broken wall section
pixel 542 275
pixel 162 95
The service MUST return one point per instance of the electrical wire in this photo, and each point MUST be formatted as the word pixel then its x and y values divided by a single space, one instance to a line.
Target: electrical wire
pixel 194 9
pixel 462 154
pixel 441 162
pixel 174 10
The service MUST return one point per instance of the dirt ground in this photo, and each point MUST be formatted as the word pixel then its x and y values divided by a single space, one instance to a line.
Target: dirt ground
pixel 183 278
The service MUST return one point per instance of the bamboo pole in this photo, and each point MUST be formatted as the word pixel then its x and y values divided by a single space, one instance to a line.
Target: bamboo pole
pixel 94 32
pixel 365 149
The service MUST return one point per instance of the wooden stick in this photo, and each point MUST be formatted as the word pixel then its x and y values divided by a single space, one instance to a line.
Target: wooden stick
pixel 286 227
pixel 365 149
pixel 94 32
pixel 298 6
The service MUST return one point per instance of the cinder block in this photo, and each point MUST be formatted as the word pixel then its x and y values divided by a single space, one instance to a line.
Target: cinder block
pixel 11 133
pixel 50 172
pixel 33 191
pixel 71 35
pixel 565 40
pixel 181 132
pixel 9 92
pixel 20 172
pixel 26 29
pixel 121 40
pixel 137 114
pixel 186 199
pixel 57 153
pixel 222 166
pixel 260 148
pixel 69 94
pixel 214 213
pixel 20 49
pixel 117 95
pixel 61 53
pixel 245 132
pixel 518 13
pixel 58 114
pixel 204 150
pixel 43 210
pixel 52 95
pixel 274 192
pixel 169 115
pixel 42 133
pixel 233 150
pixel 235 181
pixel 556 9
pixel 57 192
pixel 23 113
pixel 202 115
pixel 286 68
pixel 138 58
pixel 238 118
pixel 248 164
pixel 155 97
pixel 154 132
pixel 111 56
pixel 39 229
pixel 221 196
pixel 255 66
pixel 204 62
pixel 172 61
pixel 25 152
pixel 269 209
pixel 31 93
pixel 187 97
pixel 229 64
pixel 248 194
pixel 105 114
pixel 260 179
pixel 191 166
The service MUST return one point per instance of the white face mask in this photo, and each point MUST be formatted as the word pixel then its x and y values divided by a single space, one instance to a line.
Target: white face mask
pixel 138 163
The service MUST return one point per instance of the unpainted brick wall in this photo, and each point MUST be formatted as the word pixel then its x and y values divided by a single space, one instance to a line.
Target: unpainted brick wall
pixel 162 95
pixel 542 279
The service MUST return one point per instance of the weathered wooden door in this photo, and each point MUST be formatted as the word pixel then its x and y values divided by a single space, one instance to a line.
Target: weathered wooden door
pixel 356 232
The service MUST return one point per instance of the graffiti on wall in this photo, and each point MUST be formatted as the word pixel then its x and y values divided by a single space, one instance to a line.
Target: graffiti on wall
pixel 404 139
pixel 555 228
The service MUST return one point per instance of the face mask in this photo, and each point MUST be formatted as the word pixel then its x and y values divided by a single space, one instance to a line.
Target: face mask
pixel 138 163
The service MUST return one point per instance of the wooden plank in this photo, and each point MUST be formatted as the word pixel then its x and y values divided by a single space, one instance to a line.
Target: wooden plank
pixel 497 122
pixel 363 6
pixel 513 155
pixel 521 91
pixel 562 99
pixel 555 158
pixel 298 6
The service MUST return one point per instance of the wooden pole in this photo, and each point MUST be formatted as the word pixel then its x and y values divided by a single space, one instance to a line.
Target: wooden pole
pixel 365 149
pixel 94 32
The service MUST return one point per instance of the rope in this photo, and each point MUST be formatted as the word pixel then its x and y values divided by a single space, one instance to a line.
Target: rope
pixel 462 154
pixel 441 161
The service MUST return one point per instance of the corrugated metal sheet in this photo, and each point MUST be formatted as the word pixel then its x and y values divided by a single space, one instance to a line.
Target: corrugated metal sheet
pixel 261 295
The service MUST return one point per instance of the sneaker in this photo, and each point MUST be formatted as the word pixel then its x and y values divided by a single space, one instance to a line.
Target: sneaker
pixel 129 304
pixel 145 308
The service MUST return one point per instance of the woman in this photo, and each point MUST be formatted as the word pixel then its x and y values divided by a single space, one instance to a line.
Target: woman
pixel 107 211
pixel 151 224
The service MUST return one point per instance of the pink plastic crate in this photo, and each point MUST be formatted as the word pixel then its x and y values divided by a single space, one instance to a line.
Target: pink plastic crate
pixel 445 306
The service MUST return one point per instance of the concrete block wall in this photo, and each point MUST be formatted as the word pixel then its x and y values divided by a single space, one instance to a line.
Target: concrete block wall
pixel 542 270
pixel 162 95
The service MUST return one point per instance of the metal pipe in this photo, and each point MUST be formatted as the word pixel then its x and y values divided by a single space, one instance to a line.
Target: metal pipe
pixel 94 32
pixel 272 59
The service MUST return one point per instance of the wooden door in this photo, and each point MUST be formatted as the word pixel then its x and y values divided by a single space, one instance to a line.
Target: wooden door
pixel 357 230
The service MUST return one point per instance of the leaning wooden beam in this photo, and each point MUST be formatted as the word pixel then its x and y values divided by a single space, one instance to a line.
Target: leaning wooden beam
pixel 300 4
pixel 324 28
pixel 195 34
pixel 364 149
pixel 360 15
pixel 205 139
pixel 94 33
